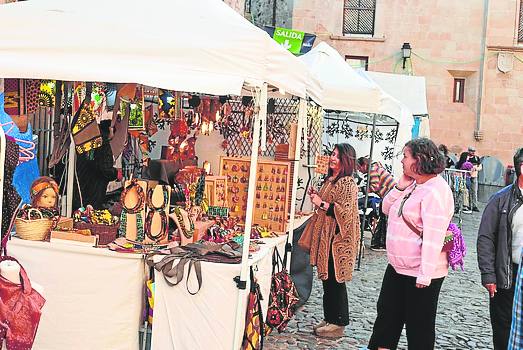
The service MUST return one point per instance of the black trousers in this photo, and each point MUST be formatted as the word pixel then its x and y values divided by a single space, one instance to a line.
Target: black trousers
pixel 335 301
pixel 501 313
pixel 402 304
pixel 379 237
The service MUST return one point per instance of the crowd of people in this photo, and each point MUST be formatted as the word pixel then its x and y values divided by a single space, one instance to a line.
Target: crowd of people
pixel 418 208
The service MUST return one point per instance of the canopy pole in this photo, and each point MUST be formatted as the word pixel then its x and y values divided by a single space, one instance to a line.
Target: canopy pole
pixel 367 187
pixel 302 118
pixel 71 163
pixel 260 115
pixel 3 146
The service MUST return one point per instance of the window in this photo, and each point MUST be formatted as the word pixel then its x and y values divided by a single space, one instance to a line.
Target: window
pixel 358 62
pixel 520 27
pixel 358 16
pixel 459 90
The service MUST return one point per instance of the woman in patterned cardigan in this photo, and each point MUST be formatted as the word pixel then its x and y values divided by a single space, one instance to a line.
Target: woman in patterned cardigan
pixel 332 237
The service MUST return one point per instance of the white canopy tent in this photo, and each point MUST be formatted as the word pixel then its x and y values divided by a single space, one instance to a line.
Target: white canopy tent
pixel 408 89
pixel 195 46
pixel 335 85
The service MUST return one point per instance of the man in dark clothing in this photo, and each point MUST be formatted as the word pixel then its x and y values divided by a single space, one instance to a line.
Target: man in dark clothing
pixel 95 169
pixel 500 240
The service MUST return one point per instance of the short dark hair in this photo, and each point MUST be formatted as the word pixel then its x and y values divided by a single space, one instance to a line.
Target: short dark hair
pixel 429 160
pixel 443 149
pixel 347 156
pixel 363 160
pixel 518 160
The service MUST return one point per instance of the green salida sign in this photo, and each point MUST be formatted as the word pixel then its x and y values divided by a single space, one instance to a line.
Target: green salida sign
pixel 290 39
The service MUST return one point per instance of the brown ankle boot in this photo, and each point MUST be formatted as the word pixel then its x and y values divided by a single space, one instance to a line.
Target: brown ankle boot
pixel 319 325
pixel 331 331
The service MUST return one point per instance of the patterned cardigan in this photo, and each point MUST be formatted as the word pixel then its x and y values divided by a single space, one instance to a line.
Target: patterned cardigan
pixel 321 230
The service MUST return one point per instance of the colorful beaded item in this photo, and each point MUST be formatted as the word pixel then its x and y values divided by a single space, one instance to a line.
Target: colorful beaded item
pixel 161 211
pixel 187 232
pixel 137 209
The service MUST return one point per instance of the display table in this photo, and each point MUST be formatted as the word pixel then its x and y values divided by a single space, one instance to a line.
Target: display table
pixel 93 296
pixel 206 320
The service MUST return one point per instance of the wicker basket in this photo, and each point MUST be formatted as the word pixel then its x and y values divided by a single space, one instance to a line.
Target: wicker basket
pixel 33 229
pixel 106 233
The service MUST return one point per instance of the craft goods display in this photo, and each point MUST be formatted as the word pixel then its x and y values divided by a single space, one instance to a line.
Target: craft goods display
pixel 133 200
pixel 272 191
pixel 32 225
pixel 216 190
pixel 322 164
pixel 99 223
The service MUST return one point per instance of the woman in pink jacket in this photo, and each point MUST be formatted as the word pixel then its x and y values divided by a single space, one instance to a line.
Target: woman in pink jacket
pixel 419 208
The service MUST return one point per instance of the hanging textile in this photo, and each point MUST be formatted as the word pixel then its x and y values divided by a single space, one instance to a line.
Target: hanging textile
pixel 11 199
pixel 27 170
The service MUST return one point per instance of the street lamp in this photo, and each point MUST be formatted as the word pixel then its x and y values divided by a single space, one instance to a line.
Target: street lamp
pixel 405 52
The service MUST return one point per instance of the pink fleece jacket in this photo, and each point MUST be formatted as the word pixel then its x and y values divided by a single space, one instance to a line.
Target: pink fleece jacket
pixel 430 208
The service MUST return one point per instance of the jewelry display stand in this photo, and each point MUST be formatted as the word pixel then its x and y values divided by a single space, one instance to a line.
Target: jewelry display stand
pixel 156 224
pixel 133 223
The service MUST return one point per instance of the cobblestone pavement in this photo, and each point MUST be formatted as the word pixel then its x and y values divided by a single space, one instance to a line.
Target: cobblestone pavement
pixel 462 321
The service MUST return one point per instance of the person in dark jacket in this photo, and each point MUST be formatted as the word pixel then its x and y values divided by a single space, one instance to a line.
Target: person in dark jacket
pixel 95 169
pixel 500 240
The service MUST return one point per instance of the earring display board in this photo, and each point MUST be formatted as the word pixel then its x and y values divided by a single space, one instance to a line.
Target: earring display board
pixel 216 190
pixel 272 191
pixel 322 165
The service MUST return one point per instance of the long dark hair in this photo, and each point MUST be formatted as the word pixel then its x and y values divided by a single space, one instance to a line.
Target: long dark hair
pixel 347 157
pixel 462 159
pixel 429 160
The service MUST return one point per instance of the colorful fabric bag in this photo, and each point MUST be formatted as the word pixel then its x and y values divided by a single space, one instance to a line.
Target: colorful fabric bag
pixel 283 297
pixel 254 328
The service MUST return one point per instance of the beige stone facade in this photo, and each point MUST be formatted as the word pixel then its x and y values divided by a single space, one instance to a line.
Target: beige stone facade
pixel 446 39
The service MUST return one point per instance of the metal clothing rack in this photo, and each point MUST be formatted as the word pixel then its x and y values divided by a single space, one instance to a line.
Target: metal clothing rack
pixel 457 181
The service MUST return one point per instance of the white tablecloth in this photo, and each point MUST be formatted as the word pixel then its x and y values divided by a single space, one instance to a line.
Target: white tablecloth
pixel 206 320
pixel 94 296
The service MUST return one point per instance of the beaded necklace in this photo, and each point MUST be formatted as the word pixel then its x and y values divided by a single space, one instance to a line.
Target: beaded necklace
pixel 188 233
pixel 137 209
pixel 160 210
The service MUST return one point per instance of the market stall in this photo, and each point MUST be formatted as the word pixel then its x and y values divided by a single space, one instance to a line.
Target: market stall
pixel 239 59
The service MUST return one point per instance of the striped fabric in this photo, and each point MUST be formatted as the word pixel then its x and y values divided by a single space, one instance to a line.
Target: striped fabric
pixel 516 332
pixel 381 181
pixel 430 208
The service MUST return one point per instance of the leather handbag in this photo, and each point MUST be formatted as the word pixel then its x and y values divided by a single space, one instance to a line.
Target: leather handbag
pixel 20 310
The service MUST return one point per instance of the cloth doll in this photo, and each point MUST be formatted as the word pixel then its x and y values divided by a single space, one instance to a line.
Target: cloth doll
pixel 44 196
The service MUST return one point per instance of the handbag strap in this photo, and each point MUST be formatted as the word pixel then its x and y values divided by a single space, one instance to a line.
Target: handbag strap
pixel 198 270
pixel 170 269
pixel 400 213
pixel 277 261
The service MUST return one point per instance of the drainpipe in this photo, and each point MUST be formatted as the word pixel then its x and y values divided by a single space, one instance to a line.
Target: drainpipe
pixel 477 133
pixel 274 13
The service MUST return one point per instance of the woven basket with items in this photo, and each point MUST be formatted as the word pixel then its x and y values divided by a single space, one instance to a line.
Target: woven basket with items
pixel 35 228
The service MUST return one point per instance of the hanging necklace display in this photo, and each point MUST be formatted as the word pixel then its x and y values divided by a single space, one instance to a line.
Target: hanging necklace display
pixel 136 209
pixel 156 209
pixel 185 222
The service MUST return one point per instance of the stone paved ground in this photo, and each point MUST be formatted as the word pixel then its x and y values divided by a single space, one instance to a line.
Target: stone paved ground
pixel 462 322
